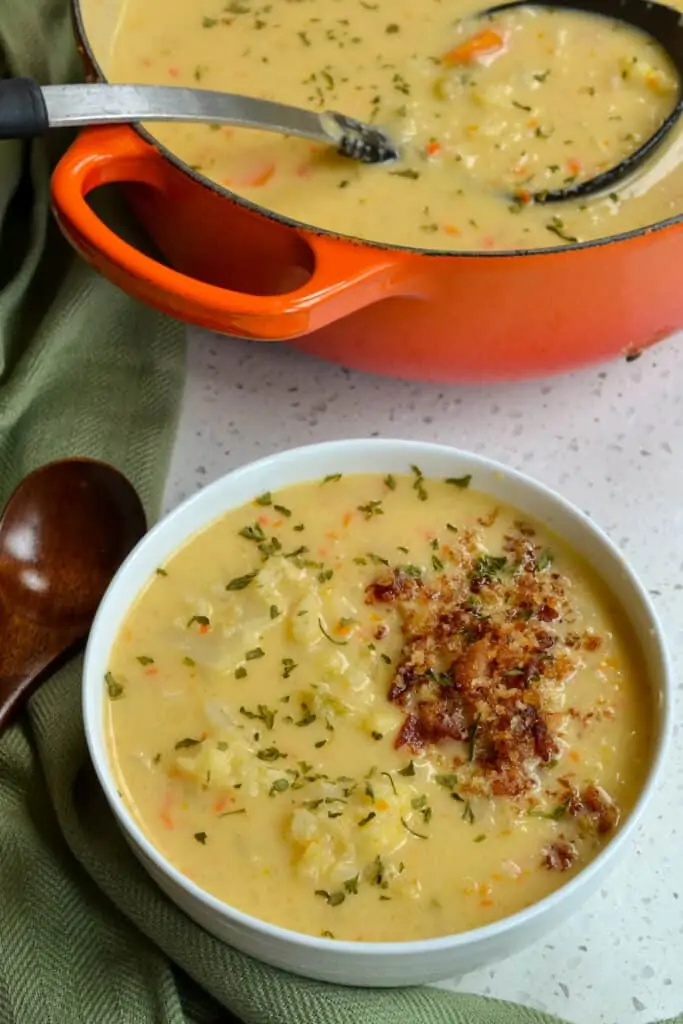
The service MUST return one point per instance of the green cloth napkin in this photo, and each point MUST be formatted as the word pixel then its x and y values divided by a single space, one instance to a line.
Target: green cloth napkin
pixel 85 937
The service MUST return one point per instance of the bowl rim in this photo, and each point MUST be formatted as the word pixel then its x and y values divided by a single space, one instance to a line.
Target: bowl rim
pixel 92 694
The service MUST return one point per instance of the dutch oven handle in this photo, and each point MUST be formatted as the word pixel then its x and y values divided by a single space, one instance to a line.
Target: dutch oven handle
pixel 345 277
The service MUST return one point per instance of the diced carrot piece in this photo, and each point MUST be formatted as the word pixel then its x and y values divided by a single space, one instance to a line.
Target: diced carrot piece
pixel 174 72
pixel 381 805
pixel 166 808
pixel 523 195
pixel 221 803
pixel 263 520
pixel 348 516
pixel 451 229
pixel 487 903
pixel 262 177
pixel 434 148
pixel 479 45
pixel 204 628
pixel 574 166
pixel 152 671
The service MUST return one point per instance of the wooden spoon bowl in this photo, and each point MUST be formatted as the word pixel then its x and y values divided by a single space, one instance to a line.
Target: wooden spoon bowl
pixel 63 534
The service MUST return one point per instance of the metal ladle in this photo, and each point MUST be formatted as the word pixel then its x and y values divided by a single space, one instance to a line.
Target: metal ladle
pixel 665 26
pixel 28 109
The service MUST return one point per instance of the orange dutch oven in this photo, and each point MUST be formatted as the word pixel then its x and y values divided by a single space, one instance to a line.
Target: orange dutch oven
pixel 238 269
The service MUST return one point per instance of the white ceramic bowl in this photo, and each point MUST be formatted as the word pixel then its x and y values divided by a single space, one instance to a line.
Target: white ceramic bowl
pixel 372 963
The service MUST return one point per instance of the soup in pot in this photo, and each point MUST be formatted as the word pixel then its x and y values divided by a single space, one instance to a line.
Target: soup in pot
pixel 487 112
pixel 377 708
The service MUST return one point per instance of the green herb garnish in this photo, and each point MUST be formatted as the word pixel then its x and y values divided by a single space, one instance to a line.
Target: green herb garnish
pixel 556 226
pixel 544 560
pixel 418 484
pixel 418 835
pixel 449 781
pixel 187 742
pixel 556 814
pixel 333 898
pixel 241 582
pixel 279 786
pixel 489 566
pixel 472 738
pixel 460 481
pixel 254 532
pixel 288 666
pixel 468 813
pixel 269 754
pixel 114 688
pixel 371 508
pixel 201 620
pixel 262 714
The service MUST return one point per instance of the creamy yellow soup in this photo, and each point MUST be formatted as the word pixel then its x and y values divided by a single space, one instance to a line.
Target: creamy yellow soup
pixel 487 113
pixel 377 709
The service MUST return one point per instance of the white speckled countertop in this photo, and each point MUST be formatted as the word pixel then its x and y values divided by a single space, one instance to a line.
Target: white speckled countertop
pixel 611 440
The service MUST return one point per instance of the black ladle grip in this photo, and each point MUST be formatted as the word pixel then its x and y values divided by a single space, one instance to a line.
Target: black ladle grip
pixel 23 114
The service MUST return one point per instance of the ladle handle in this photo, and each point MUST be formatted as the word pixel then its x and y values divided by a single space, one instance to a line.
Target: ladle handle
pixel 23 113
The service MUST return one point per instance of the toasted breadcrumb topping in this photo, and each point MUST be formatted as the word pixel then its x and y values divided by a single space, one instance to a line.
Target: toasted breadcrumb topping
pixel 488 652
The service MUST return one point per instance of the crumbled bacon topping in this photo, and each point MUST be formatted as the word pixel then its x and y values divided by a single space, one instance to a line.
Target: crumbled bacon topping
pixel 560 856
pixel 594 807
pixel 483 655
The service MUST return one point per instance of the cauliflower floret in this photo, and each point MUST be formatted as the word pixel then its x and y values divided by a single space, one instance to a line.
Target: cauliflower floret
pixel 335 838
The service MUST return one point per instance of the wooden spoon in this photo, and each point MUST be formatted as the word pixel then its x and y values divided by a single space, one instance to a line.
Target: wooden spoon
pixel 63 534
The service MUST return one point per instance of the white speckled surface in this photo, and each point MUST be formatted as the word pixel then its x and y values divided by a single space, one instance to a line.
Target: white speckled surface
pixel 610 439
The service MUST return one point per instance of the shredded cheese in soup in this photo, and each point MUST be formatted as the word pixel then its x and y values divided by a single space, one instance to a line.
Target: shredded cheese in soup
pixel 377 708
pixel 487 112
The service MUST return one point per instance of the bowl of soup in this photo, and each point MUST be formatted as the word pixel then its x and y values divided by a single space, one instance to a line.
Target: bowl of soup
pixel 377 712
pixel 442 266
